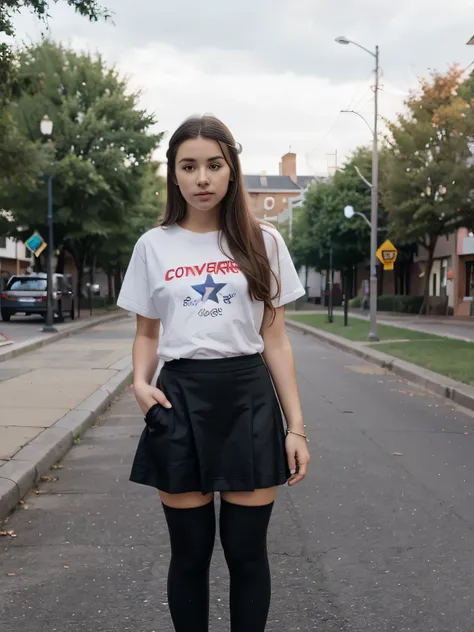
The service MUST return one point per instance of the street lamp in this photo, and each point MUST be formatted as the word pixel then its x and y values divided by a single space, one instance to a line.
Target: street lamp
pixel 349 214
pixel 374 189
pixel 46 128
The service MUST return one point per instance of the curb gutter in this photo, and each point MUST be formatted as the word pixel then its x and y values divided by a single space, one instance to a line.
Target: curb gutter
pixel 36 343
pixel 21 473
pixel 457 392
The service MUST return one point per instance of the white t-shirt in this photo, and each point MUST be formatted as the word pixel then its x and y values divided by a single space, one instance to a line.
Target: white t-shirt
pixel 200 295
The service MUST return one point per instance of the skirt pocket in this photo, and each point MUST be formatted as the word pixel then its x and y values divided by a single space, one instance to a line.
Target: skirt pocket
pixel 158 420
pixel 160 423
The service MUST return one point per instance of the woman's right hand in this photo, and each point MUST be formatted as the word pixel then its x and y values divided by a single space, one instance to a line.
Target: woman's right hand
pixel 147 396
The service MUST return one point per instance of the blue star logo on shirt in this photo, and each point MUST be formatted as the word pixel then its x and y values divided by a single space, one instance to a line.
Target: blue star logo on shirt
pixel 209 289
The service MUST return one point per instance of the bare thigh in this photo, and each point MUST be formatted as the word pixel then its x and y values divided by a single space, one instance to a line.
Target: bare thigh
pixel 189 500
pixel 256 498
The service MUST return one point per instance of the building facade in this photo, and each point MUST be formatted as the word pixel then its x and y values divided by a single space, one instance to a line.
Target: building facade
pixel 15 258
pixel 270 197
pixel 464 274
pixel 269 194
pixel 451 284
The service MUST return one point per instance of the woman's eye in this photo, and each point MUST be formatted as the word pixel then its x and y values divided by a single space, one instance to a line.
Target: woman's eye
pixel 215 167
pixel 188 168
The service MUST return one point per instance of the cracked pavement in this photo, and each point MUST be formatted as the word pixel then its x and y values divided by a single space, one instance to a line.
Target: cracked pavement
pixel 379 536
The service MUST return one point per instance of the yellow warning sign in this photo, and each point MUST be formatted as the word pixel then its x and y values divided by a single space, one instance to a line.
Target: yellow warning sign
pixel 387 254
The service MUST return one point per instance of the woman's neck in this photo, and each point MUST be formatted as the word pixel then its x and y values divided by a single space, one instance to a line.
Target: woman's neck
pixel 200 222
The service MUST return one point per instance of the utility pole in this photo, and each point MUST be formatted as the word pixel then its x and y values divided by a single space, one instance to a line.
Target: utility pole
pixel 374 211
pixel 331 283
pixel 375 188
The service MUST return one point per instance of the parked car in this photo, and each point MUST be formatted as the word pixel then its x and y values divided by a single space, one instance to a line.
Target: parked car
pixel 27 294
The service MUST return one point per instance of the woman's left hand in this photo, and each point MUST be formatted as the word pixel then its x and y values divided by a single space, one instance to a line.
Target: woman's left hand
pixel 298 457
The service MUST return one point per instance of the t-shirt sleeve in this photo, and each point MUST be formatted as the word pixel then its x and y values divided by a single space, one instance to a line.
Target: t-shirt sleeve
pixel 135 294
pixel 283 267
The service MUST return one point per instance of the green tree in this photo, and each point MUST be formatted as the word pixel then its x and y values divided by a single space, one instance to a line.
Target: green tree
pixel 113 254
pixel 323 223
pixel 428 182
pixel 101 148
pixel 18 156
pixel 8 77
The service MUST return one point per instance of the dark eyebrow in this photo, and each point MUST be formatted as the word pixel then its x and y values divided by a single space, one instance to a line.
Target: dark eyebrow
pixel 209 159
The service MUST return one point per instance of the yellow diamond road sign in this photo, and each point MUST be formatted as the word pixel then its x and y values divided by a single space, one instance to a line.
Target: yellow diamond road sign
pixel 387 254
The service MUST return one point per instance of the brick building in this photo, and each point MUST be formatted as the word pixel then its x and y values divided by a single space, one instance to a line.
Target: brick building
pixel 269 194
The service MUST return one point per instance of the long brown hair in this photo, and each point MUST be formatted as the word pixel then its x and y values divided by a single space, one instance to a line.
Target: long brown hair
pixel 242 230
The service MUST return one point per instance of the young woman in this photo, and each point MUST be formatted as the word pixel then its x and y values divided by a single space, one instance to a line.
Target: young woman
pixel 217 280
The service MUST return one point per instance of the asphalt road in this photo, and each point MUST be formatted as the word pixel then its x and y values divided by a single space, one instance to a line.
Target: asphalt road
pixel 378 538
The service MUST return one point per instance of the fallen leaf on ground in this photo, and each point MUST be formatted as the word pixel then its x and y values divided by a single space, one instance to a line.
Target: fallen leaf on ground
pixel 11 533
pixel 57 466
pixel 397 454
pixel 11 574
pixel 49 479
pixel 38 491
pixel 65 566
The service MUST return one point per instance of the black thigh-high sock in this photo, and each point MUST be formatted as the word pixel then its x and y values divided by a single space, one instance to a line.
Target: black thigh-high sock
pixel 192 536
pixel 243 532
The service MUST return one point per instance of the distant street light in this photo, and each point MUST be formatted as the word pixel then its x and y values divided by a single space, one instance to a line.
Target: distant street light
pixel 374 187
pixel 360 116
pixel 46 127
pixel 349 214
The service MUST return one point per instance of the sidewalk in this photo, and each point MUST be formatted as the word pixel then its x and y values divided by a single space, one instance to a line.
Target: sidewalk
pixel 438 326
pixel 20 337
pixel 50 396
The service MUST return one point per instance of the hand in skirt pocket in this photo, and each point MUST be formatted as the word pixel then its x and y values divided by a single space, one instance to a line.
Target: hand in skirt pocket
pixel 158 419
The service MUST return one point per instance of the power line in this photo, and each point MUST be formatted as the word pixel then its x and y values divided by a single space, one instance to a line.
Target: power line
pixel 325 135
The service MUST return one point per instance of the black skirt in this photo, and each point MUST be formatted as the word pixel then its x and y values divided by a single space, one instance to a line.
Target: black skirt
pixel 224 432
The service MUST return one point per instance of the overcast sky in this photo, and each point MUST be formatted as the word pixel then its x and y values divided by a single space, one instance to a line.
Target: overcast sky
pixel 270 68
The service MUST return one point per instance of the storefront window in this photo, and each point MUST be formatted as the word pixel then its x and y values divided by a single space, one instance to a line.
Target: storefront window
pixel 444 276
pixel 469 290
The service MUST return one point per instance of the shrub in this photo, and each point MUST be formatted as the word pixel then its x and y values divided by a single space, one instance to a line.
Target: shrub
pixel 392 303
pixel 399 303
pixel 356 303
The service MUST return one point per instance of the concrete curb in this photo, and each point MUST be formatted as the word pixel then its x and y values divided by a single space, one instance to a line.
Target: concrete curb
pixel 453 390
pixel 22 472
pixel 36 343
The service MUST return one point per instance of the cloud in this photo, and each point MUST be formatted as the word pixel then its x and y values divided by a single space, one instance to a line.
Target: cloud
pixel 270 68
pixel 282 36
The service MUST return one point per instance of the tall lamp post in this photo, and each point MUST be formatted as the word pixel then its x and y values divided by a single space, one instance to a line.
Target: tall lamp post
pixel 46 127
pixel 374 187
